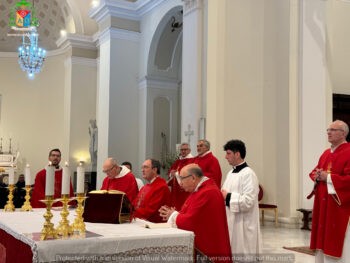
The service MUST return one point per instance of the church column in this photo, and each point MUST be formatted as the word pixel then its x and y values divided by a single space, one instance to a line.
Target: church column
pixel 192 73
pixel 79 97
pixel 117 100
pixel 315 95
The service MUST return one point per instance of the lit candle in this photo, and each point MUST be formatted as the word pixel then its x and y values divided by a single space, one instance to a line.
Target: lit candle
pixel 65 180
pixel 50 179
pixel 80 178
pixel 11 176
pixel 27 175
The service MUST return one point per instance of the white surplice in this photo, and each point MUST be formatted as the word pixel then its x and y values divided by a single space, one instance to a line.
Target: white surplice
pixel 243 213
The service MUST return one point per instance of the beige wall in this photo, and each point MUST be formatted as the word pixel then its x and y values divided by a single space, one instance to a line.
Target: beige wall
pixel 32 111
pixel 247 88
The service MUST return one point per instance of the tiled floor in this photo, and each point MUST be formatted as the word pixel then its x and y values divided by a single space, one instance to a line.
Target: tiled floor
pixel 275 238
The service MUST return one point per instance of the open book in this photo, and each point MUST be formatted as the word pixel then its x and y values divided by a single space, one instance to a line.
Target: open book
pixel 106 192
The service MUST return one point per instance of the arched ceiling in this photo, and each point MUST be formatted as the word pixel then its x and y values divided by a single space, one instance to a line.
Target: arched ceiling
pixel 53 16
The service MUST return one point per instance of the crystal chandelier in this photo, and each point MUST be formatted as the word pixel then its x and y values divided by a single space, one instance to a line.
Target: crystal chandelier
pixel 30 56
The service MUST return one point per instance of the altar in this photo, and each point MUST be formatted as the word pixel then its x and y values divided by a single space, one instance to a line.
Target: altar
pixel 128 242
pixel 7 161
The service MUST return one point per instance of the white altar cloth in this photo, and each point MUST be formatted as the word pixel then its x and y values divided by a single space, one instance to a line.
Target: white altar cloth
pixel 118 242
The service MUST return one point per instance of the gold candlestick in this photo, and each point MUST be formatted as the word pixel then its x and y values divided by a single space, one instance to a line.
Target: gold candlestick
pixel 79 225
pixel 9 207
pixel 64 229
pixel 48 230
pixel 26 206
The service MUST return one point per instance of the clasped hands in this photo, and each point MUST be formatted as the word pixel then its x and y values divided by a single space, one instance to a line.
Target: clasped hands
pixel 320 175
pixel 165 212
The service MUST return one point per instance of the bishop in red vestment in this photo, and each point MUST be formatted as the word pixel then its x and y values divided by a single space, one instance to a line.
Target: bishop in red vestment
pixel 203 213
pixel 208 162
pixel 153 195
pixel 119 178
pixel 331 211
pixel 40 180
pixel 178 195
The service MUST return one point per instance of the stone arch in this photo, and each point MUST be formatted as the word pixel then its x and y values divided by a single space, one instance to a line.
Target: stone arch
pixel 164 78
pixel 165 55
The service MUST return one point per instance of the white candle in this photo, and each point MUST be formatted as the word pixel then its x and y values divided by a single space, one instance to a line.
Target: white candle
pixel 50 179
pixel 65 180
pixel 80 178
pixel 11 176
pixel 27 175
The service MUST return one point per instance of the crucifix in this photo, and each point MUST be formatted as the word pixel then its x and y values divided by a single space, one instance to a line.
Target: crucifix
pixel 189 133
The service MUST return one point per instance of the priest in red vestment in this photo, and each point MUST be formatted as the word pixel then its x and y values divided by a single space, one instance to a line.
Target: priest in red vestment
pixel 120 178
pixel 203 213
pixel 178 195
pixel 330 234
pixel 40 180
pixel 208 162
pixel 152 195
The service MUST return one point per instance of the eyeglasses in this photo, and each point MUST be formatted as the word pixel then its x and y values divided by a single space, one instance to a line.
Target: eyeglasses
pixel 108 170
pixel 181 178
pixel 333 130
pixel 186 149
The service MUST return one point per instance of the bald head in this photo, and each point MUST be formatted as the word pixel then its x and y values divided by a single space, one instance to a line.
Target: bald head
pixel 193 169
pixel 189 177
pixel 342 125
pixel 337 132
pixel 110 167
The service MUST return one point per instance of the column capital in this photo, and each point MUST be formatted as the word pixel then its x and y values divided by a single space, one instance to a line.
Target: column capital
pixel 192 5
pixel 123 9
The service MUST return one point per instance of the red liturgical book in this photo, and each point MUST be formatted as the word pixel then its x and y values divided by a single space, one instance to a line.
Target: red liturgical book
pixel 112 207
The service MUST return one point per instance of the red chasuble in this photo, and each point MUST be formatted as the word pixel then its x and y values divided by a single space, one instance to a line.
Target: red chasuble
pixel 149 200
pixel 330 215
pixel 39 189
pixel 178 196
pixel 126 184
pixel 210 167
pixel 204 214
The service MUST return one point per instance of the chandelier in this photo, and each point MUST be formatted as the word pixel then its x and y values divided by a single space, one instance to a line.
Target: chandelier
pixel 30 56
pixel 24 23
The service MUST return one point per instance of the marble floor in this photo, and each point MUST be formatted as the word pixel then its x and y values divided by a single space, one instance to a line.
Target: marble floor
pixel 274 238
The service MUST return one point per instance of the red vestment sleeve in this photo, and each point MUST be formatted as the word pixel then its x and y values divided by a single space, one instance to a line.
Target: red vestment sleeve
pixel 149 200
pixel 204 214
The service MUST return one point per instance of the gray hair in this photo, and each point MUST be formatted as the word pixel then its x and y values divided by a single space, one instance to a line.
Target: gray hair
pixel 206 143
pixel 186 143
